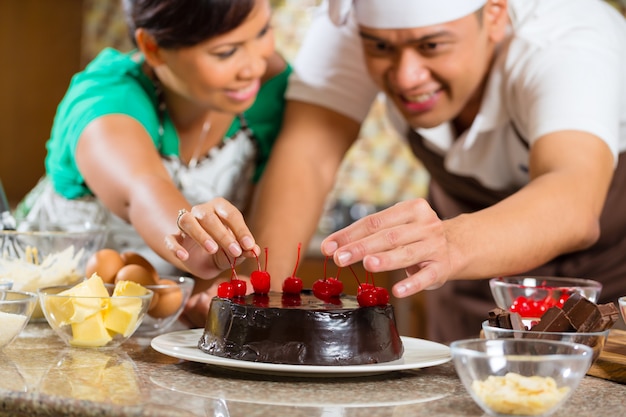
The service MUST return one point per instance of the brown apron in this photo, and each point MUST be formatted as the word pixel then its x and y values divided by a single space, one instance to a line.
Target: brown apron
pixel 456 310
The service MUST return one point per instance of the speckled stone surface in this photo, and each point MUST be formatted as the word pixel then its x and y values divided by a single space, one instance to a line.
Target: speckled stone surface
pixel 40 376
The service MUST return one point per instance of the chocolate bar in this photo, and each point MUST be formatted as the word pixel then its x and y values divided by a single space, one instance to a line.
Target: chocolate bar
pixel 584 314
pixel 610 314
pixel 554 320
pixel 505 319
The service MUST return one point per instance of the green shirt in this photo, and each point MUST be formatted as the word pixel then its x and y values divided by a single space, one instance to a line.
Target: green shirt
pixel 114 83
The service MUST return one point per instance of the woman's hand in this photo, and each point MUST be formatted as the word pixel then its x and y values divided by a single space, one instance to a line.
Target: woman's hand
pixel 212 236
pixel 408 235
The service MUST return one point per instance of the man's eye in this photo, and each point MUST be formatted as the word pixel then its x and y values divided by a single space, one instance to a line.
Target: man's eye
pixel 430 46
pixel 379 48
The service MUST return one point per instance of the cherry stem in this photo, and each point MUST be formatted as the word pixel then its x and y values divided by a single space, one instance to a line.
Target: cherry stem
pixel 232 265
pixel 258 263
pixel 325 263
pixel 266 257
pixel 297 260
pixel 338 271
pixel 233 268
pixel 355 277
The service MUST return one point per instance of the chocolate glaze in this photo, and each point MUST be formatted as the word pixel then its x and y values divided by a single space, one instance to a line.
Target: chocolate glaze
pixel 301 330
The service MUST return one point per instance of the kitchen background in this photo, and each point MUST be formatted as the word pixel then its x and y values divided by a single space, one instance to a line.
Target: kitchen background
pixel 44 42
pixel 63 39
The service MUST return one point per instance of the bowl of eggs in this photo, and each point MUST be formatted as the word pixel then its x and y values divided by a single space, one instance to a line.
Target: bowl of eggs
pixel 531 297
pixel 170 293
pixel 520 376
pixel 16 308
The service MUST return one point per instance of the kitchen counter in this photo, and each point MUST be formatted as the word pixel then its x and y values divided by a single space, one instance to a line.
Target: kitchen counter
pixel 40 376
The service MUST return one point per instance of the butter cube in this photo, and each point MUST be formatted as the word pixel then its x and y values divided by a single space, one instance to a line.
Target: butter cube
pixel 93 287
pixel 129 288
pixel 122 315
pixel 93 298
pixel 91 332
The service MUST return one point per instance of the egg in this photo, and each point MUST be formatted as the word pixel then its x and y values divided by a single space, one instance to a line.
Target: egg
pixel 170 299
pixel 135 273
pixel 105 263
pixel 133 258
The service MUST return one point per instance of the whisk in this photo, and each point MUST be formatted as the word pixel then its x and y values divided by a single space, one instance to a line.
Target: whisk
pixel 10 245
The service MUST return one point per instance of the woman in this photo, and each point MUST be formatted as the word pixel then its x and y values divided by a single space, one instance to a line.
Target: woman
pixel 188 117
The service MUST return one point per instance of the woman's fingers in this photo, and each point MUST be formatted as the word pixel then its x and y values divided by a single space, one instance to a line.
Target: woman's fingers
pixel 218 224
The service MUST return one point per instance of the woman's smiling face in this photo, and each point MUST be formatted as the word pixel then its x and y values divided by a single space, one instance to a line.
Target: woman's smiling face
pixel 434 73
pixel 224 72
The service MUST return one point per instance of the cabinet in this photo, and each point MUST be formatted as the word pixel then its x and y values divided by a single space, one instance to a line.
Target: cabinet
pixel 40 50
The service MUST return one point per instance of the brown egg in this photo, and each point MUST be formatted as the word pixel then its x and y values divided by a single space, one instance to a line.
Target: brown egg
pixel 170 299
pixel 135 273
pixel 105 263
pixel 133 258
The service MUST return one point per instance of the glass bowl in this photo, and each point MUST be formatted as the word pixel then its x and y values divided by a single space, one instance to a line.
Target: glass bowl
pixel 5 284
pixel 520 376
pixel 595 340
pixel 100 319
pixel 37 259
pixel 532 296
pixel 16 308
pixel 170 297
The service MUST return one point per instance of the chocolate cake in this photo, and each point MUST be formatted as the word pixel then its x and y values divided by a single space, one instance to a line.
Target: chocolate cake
pixel 301 330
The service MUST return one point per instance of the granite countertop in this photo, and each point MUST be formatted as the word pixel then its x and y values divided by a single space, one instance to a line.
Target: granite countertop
pixel 40 376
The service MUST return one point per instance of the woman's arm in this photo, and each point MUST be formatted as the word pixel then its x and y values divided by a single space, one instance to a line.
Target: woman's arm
pixel 121 166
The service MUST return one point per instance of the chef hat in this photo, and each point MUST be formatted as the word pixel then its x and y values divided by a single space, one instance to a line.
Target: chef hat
pixel 397 14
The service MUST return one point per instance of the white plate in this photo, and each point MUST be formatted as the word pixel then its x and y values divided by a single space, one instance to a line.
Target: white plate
pixel 418 353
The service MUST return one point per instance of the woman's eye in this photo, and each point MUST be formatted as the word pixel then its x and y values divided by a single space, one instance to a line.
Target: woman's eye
pixel 264 31
pixel 226 54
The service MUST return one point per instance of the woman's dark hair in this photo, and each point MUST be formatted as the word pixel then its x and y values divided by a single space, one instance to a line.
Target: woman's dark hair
pixel 183 23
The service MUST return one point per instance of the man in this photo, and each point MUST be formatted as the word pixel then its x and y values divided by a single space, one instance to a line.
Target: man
pixel 518 111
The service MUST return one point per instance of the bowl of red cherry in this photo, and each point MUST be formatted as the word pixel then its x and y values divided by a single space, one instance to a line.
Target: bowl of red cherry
pixel 531 297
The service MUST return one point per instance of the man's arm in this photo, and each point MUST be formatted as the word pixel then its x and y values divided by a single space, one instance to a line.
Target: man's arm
pixel 300 173
pixel 556 213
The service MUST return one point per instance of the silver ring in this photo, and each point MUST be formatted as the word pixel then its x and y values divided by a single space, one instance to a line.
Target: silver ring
pixel 180 214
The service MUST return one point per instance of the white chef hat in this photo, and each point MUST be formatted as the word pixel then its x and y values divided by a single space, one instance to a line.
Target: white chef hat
pixel 397 14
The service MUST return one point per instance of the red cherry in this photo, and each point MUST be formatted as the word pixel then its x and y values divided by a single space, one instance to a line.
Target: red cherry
pixel 321 289
pixel 225 290
pixel 292 285
pixel 260 282
pixel 368 297
pixel 260 279
pixel 382 296
pixel 239 286
pixel 336 287
pixel 562 300
pixel 365 286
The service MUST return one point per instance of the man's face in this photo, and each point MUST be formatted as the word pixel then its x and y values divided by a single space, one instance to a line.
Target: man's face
pixel 433 74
